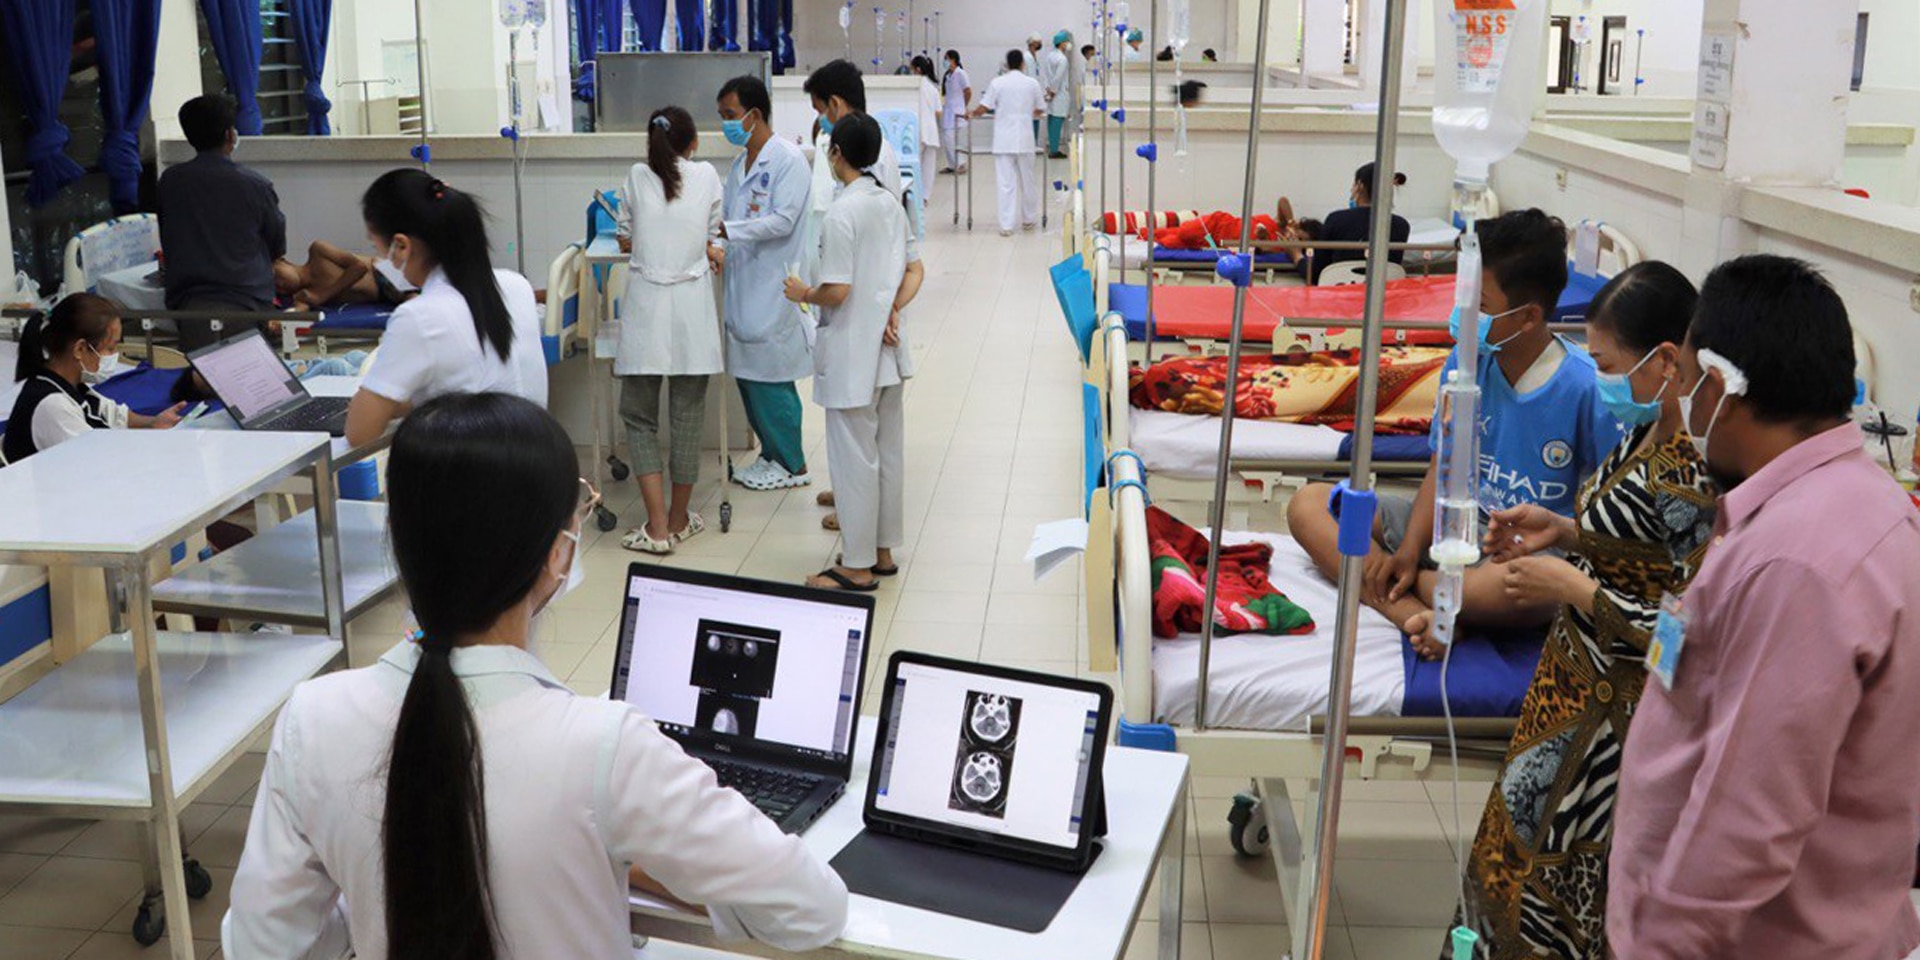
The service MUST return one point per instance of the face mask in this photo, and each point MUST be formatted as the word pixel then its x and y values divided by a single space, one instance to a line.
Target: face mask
pixel 735 131
pixel 109 366
pixel 826 125
pixel 1735 384
pixel 393 274
pixel 1616 392
pixel 1486 328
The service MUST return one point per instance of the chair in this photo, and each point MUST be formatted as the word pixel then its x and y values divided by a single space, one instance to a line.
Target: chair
pixel 1349 272
pixel 902 129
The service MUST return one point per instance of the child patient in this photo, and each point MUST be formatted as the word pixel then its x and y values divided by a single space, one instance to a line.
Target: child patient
pixel 1542 428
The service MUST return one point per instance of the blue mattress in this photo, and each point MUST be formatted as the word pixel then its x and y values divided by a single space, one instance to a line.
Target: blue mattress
pixel 354 316
pixel 1399 448
pixel 1574 299
pixel 1489 677
pixel 145 389
pixel 1172 255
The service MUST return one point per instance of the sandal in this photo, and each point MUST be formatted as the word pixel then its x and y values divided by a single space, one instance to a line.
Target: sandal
pixel 824 498
pixel 830 522
pixel 638 541
pixel 844 582
pixel 696 526
pixel 878 571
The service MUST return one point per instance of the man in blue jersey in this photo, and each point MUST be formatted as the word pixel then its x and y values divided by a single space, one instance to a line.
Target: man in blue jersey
pixel 1542 429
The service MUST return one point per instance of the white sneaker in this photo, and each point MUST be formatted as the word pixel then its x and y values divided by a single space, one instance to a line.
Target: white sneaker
pixel 778 477
pixel 753 473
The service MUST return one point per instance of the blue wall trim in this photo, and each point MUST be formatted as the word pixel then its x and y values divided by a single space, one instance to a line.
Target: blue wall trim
pixel 25 623
pixel 1148 736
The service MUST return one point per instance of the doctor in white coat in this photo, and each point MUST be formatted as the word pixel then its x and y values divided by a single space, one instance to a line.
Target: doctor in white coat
pixel 764 233
pixel 1056 77
pixel 670 328
pixel 862 359
pixel 1016 102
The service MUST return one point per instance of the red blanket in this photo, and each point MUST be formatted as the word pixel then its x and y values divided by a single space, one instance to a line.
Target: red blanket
pixel 1214 230
pixel 1319 388
pixel 1244 600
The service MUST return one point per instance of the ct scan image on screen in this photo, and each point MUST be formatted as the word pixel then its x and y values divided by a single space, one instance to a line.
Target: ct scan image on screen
pixel 986 753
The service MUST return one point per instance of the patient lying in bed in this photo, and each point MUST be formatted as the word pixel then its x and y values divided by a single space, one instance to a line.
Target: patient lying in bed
pixel 332 275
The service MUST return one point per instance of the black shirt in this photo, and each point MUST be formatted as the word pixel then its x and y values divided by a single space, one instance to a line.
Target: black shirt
pixel 1355 225
pixel 18 443
pixel 221 229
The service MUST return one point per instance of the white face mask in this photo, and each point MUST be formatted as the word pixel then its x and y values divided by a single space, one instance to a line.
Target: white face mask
pixel 1734 385
pixel 385 268
pixel 108 368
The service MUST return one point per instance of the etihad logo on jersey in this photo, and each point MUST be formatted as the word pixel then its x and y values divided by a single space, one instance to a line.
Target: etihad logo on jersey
pixel 1502 489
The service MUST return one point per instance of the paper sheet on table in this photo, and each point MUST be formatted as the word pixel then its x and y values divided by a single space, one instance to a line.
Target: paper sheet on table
pixel 1055 543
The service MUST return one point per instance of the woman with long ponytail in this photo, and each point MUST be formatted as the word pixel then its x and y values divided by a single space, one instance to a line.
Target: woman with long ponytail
pixel 669 222
pixel 472 327
pixel 455 801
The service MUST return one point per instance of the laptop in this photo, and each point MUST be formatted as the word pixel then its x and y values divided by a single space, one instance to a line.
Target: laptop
pixel 261 392
pixel 761 681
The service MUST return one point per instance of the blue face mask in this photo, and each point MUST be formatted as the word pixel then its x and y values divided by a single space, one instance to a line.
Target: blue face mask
pixel 1616 392
pixel 826 125
pixel 735 131
pixel 1486 327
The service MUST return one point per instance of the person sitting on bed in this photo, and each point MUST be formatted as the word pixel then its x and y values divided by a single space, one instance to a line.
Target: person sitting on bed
pixel 1543 430
pixel 334 276
pixel 1536 880
pixel 1355 225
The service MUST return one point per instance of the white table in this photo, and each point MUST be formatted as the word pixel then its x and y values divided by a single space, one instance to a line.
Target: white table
pixel 274 577
pixel 133 287
pixel 344 455
pixel 1146 827
pixel 118 499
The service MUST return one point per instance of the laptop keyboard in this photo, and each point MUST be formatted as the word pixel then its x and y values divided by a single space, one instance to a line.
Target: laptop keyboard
pixel 775 792
pixel 311 417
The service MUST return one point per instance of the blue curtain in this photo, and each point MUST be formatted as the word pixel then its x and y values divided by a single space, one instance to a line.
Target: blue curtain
pixel 234 28
pixel 39 41
pixel 597 26
pixel 312 19
pixel 127 33
pixel 763 25
pixel 785 60
pixel 726 26
pixel 650 21
pixel 691 25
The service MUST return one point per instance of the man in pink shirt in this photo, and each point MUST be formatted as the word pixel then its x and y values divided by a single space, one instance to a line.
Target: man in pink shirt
pixel 1770 793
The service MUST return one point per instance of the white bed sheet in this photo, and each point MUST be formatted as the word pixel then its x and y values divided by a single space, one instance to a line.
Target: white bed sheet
pixel 1277 683
pixel 1187 446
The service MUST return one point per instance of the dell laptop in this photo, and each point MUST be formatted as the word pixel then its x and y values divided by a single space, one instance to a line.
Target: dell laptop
pixel 759 680
pixel 261 392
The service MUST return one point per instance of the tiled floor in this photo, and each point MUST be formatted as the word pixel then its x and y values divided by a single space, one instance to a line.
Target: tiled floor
pixel 993 448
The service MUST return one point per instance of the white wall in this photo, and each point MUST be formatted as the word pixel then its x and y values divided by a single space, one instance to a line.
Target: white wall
pixel 176 72
pixel 1671 56
pixel 1893 33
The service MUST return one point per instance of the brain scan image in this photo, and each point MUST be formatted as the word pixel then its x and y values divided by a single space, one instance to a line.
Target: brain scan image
pixel 983 761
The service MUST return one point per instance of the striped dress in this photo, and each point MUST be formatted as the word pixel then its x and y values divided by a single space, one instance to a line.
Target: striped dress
pixel 1537 874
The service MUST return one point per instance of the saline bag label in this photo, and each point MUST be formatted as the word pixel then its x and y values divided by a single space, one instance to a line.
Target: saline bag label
pixel 1483 29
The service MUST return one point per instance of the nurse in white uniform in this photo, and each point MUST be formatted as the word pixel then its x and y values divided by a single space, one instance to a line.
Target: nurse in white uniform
pixel 862 359
pixel 1016 101
pixel 670 327
pixel 471 329
pixel 1056 78
pixel 456 799
pixel 957 89
pixel 767 195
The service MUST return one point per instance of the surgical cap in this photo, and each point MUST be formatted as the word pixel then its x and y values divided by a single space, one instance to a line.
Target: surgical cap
pixel 1064 36
pixel 1135 35
pixel 1033 38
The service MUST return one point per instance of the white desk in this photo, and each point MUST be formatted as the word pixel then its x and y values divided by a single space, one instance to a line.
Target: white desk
pixel 329 386
pixel 1146 827
pixel 274 577
pixel 118 499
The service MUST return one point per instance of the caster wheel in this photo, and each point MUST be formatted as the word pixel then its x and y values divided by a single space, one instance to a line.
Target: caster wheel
pixel 617 469
pixel 726 517
pixel 1247 827
pixel 199 882
pixel 149 927
pixel 605 519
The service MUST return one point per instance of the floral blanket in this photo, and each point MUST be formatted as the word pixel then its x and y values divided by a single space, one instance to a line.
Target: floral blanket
pixel 1318 388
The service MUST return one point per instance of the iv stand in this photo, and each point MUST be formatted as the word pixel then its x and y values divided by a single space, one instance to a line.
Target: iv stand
pixel 1153 162
pixel 512 133
pixel 1310 939
pixel 1106 70
pixel 422 152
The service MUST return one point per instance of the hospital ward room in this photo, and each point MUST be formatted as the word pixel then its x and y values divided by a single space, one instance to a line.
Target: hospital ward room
pixel 960 479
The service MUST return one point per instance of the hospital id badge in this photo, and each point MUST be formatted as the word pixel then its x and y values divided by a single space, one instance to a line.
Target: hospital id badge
pixel 1669 639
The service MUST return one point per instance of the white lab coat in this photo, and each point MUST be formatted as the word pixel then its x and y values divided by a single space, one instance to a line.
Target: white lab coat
pixel 766 209
pixel 577 790
pixel 1056 77
pixel 1013 97
pixel 864 243
pixel 953 114
pixel 669 324
pixel 431 348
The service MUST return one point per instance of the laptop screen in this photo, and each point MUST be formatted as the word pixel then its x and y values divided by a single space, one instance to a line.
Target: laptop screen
pixel 247 376
pixel 732 663
pixel 987 753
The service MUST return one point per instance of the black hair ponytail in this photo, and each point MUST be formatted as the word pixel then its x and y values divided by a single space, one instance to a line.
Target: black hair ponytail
pixel 669 134
pixel 857 136
pixel 80 317
pixel 452 225
pixel 458 457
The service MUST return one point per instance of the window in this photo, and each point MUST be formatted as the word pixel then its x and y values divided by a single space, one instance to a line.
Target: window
pixel 283 109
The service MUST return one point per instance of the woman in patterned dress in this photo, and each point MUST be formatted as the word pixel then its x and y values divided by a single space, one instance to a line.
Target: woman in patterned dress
pixel 1537 874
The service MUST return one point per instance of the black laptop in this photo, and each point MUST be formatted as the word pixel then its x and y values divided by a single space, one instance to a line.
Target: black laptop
pixel 759 680
pixel 261 392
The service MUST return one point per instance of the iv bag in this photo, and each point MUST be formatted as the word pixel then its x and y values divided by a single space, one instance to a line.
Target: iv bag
pixel 1179 129
pixel 513 13
pixel 536 13
pixel 1483 102
pixel 846 18
pixel 1123 17
pixel 1181 32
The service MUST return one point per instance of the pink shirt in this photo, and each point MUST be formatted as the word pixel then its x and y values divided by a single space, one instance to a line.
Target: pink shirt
pixel 1770 803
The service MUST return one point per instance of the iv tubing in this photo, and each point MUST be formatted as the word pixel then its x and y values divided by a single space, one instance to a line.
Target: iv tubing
pixel 1317 892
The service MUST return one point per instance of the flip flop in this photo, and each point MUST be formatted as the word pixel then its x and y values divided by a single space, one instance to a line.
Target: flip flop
pixel 824 498
pixel 892 571
pixel 845 582
pixel 830 522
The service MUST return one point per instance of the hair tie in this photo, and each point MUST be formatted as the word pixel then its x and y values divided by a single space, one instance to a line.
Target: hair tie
pixel 662 122
pixel 438 188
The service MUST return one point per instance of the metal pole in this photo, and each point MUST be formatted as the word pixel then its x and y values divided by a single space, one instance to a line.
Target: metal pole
pixel 1106 71
pixel 1311 941
pixel 1153 161
pixel 1120 127
pixel 519 212
pixel 420 68
pixel 1218 511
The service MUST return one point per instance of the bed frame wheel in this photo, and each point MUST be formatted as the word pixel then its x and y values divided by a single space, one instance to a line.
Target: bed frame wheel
pixel 726 516
pixel 1247 827
pixel 150 924
pixel 605 519
pixel 199 882
pixel 618 469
